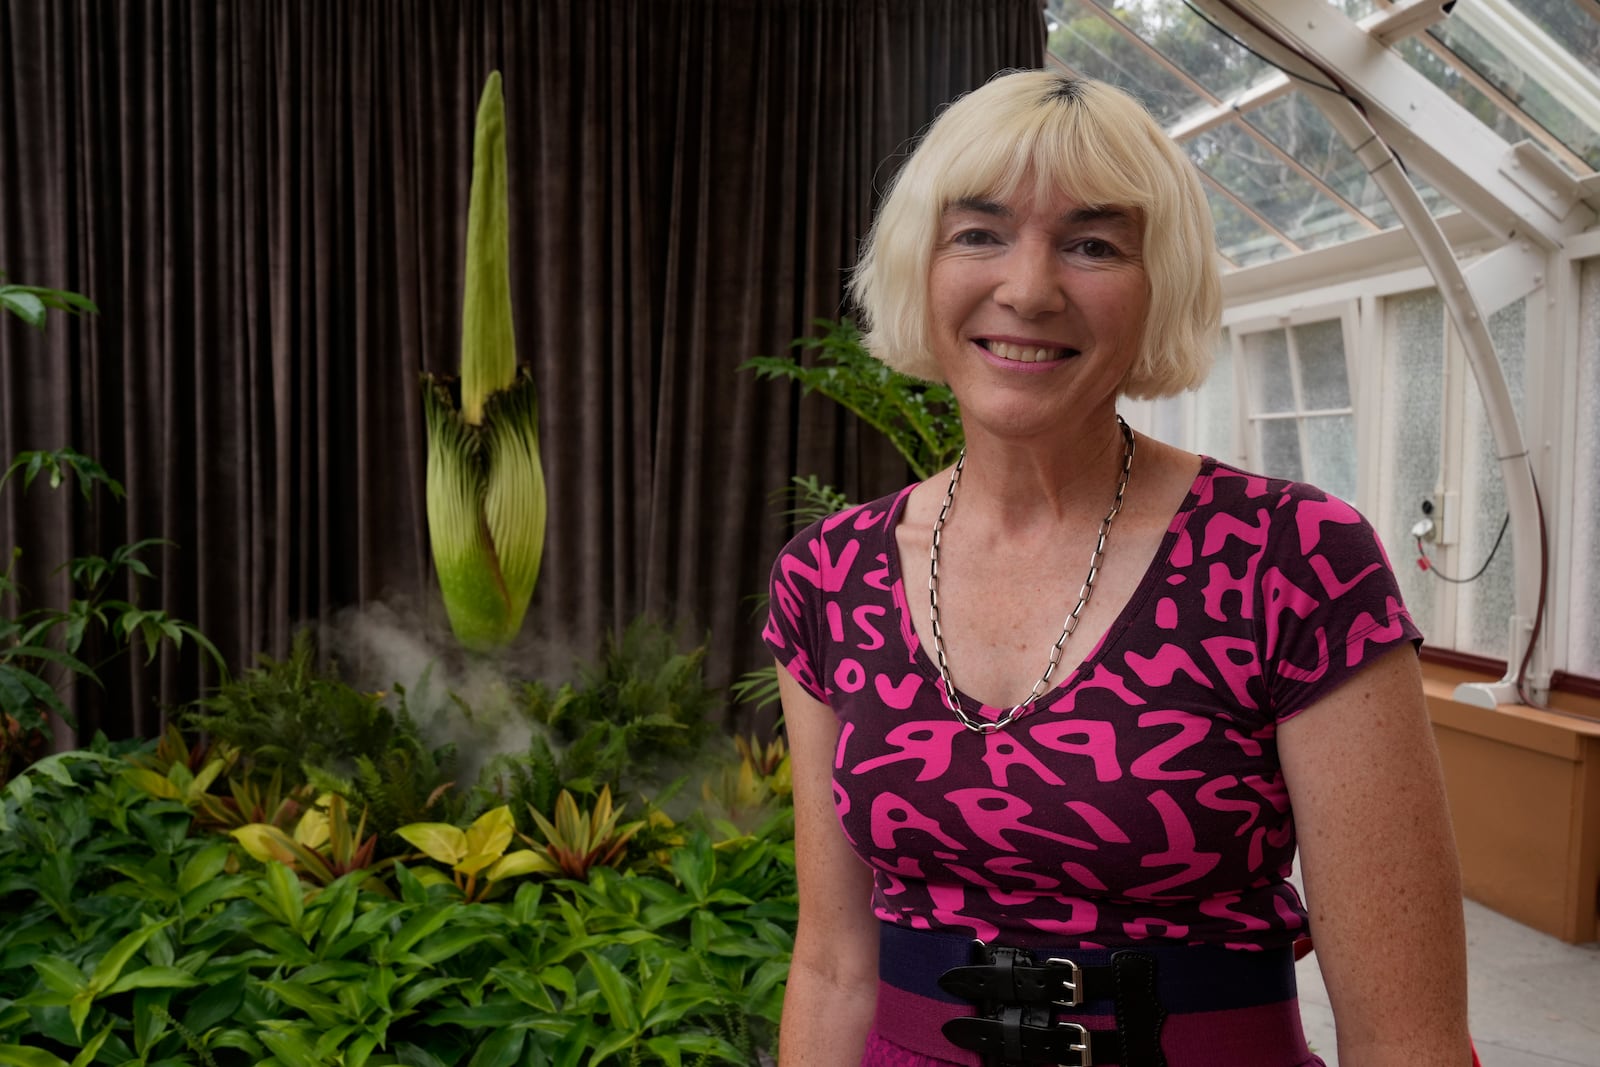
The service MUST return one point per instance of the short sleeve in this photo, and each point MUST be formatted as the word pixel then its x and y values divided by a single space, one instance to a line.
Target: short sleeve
pixel 1329 600
pixel 794 608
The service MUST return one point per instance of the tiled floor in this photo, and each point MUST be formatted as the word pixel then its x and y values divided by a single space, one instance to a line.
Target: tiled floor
pixel 1534 1001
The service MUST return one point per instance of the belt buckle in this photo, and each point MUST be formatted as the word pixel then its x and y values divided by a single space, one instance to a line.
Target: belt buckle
pixel 1079 1046
pixel 1073 985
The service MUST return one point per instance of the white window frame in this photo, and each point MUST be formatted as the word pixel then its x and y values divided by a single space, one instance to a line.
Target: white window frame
pixel 1346 313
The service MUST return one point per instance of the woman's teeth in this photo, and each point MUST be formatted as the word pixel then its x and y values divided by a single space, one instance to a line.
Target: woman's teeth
pixel 1023 353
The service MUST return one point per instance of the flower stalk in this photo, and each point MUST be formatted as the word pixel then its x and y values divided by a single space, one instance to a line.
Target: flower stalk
pixel 485 484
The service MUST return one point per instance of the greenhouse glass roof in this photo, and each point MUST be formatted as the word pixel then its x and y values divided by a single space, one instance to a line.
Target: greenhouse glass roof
pixel 1485 81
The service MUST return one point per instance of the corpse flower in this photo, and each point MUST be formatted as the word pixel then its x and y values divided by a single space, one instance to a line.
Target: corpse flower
pixel 485 485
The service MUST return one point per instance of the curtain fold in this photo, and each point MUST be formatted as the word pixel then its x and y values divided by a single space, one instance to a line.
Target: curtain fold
pixel 268 202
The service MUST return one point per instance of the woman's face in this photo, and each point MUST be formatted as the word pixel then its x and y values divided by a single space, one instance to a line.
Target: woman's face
pixel 1036 309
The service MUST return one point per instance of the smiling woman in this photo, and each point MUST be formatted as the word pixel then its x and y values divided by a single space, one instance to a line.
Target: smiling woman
pixel 1021 840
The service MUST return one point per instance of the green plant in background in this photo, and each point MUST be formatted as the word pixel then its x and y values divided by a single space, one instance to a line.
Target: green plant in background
pixel 296 723
pixel 32 302
pixel 485 485
pixel 40 647
pixel 629 721
pixel 323 846
pixel 919 418
pixel 480 849
pixel 131 939
pixel 578 841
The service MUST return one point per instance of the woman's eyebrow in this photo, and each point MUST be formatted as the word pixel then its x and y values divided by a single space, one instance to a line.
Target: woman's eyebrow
pixel 980 204
pixel 1082 215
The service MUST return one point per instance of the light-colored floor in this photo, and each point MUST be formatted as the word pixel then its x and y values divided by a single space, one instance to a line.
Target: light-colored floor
pixel 1534 1001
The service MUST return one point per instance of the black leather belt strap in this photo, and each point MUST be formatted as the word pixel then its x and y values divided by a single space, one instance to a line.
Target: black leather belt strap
pixel 1018 1000
pixel 1012 1039
pixel 1013 976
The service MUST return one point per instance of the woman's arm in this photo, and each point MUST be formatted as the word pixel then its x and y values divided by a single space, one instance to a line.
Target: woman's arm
pixel 1379 861
pixel 833 981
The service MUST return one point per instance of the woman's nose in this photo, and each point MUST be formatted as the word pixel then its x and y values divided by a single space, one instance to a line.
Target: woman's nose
pixel 1031 285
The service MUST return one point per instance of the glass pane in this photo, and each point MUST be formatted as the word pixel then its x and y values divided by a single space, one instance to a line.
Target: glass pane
pixel 1453 84
pixel 1240 238
pixel 1211 58
pixel 1324 376
pixel 1280 448
pixel 1331 454
pixel 1552 99
pixel 1294 124
pixel 1214 408
pixel 1356 9
pixel 1267 372
pixel 1411 421
pixel 1264 180
pixel 1484 606
pixel 1583 639
pixel 1081 38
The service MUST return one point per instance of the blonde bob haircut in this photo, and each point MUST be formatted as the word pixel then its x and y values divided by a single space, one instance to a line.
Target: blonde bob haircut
pixel 1066 135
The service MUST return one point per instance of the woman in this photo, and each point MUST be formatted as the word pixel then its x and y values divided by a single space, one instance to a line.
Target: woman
pixel 1023 841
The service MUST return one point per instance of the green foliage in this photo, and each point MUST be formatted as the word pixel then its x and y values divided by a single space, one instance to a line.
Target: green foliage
pixel 129 936
pixel 919 418
pixel 296 719
pixel 41 647
pixel 641 709
pixel 32 302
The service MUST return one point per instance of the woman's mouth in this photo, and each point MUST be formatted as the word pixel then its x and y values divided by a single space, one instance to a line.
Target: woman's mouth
pixel 1015 353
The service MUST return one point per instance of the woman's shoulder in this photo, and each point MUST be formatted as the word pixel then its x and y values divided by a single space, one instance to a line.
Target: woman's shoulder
pixel 1223 486
pixel 876 518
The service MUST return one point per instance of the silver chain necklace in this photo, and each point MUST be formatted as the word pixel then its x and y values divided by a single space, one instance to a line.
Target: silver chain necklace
pixel 984 726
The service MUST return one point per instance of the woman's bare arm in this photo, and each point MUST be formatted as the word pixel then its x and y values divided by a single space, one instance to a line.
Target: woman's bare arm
pixel 1382 879
pixel 832 991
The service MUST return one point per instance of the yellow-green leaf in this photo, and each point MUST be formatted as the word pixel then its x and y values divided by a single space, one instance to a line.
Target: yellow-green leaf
pixel 438 841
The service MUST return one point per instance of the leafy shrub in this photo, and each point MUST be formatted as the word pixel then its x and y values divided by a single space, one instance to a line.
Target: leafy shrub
pixel 41 646
pixel 130 940
pixel 297 721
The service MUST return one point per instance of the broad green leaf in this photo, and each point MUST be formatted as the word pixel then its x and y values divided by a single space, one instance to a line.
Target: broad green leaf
pixel 154 978
pixel 110 965
pixel 523 861
pixel 60 974
pixel 614 988
pixel 415 929
pixel 501 1049
pixel 667 1049
pixel 438 841
pixel 286 893
pixel 265 843
pixel 487 839
pixel 22 1056
pixel 216 1005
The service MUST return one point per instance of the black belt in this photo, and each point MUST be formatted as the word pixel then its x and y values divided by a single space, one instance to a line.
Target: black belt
pixel 1017 999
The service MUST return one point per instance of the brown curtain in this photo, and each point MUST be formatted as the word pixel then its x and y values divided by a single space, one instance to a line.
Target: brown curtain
pixel 267 199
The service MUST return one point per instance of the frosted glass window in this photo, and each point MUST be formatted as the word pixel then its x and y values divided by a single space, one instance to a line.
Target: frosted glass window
pixel 1215 417
pixel 1485 605
pixel 1271 381
pixel 1324 377
pixel 1412 417
pixel 1583 636
pixel 1331 454
pixel 1280 449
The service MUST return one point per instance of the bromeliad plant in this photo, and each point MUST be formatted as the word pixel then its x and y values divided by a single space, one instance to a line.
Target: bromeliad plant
pixel 485 485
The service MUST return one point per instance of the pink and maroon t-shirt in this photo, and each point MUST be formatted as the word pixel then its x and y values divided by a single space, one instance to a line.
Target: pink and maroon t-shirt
pixel 1142 798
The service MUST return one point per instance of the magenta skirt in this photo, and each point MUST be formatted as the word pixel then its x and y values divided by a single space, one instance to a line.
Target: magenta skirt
pixel 1224 1007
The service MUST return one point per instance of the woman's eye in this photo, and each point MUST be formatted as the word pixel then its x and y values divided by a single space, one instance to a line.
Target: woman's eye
pixel 973 237
pixel 1095 248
